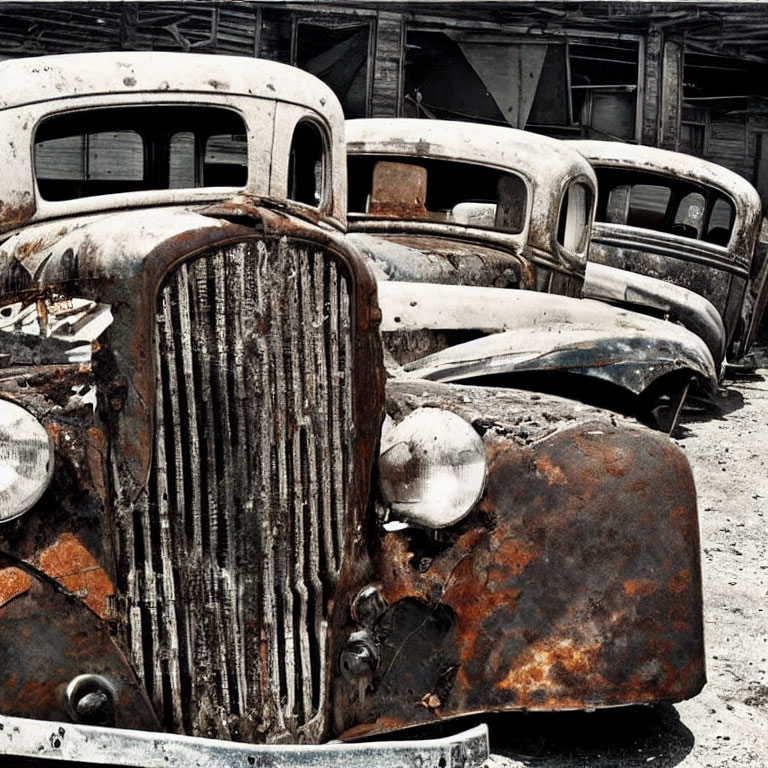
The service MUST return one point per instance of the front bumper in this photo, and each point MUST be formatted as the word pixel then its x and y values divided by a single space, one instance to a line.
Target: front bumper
pixel 66 742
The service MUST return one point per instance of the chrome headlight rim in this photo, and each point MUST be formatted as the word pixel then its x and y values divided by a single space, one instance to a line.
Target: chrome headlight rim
pixel 433 469
pixel 24 444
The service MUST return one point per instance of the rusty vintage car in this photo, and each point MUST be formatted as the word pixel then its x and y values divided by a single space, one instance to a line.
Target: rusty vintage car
pixel 198 564
pixel 438 206
pixel 686 221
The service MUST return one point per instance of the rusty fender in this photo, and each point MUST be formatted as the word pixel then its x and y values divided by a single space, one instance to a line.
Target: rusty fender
pixel 50 639
pixel 574 584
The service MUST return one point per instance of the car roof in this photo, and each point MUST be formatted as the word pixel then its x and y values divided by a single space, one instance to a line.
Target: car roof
pixel 46 78
pixel 528 153
pixel 617 154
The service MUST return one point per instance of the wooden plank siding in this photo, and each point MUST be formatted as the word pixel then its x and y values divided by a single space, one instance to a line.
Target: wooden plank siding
pixel 727 143
pixel 671 96
pixel 388 65
pixel 650 88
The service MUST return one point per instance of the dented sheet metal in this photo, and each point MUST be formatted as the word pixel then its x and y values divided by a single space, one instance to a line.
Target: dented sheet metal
pixel 525 331
pixel 635 291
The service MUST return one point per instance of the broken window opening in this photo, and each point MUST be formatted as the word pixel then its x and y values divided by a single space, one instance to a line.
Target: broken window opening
pixel 337 52
pixel 711 77
pixel 692 136
pixel 437 190
pixel 674 206
pixel 559 87
pixel 129 149
pixel 307 165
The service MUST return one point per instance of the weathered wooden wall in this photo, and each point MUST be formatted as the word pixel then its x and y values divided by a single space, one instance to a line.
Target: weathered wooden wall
pixel 729 134
pixel 388 63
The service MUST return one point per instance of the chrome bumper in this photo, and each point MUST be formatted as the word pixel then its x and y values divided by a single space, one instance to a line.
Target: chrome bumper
pixel 44 740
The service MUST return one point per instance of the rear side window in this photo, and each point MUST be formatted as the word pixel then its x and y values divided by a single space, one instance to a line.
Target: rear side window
pixel 648 205
pixel 689 216
pixel 127 149
pixel 307 165
pixel 437 191
pixel 573 223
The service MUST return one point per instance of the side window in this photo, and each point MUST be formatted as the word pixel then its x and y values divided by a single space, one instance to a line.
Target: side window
pixel 307 166
pixel 648 205
pixel 573 222
pixel 689 215
pixel 225 161
pixel 720 222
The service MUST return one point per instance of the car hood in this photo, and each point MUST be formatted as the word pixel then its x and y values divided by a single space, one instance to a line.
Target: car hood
pixel 430 258
pixel 526 331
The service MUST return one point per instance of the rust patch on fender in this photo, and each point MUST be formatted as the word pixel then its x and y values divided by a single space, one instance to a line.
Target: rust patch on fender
pixel 74 567
pixel 616 460
pixel 552 473
pixel 568 588
pixel 13 213
pixel 13 582
pixel 544 667
pixel 642 587
pixel 680 581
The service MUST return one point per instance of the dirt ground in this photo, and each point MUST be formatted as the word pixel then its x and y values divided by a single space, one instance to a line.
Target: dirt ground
pixel 726 724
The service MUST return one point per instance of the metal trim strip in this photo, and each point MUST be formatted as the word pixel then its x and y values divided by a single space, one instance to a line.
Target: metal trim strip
pixel 22 737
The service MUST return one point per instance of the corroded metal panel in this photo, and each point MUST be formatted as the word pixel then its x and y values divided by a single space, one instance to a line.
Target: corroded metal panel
pixel 575 584
pixel 48 638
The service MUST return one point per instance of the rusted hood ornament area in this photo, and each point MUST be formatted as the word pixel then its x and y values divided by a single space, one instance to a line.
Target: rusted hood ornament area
pixel 276 494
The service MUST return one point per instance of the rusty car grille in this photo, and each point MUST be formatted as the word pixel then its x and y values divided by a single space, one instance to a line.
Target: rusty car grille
pixel 235 552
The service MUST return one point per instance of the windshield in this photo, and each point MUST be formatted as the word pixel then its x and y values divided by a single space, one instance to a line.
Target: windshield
pixel 437 191
pixel 128 149
pixel 664 204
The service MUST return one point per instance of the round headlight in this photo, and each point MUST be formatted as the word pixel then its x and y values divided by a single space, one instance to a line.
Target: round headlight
pixel 26 460
pixel 432 468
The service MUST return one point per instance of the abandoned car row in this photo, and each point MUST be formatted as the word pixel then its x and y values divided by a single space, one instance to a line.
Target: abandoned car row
pixel 295 440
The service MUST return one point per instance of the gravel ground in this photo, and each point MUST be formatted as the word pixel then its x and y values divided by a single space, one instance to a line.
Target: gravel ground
pixel 726 724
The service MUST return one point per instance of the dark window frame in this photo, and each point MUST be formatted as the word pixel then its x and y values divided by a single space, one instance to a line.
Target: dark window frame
pixel 609 178
pixel 156 124
pixel 322 199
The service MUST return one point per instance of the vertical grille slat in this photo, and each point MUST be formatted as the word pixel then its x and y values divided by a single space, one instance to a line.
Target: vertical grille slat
pixel 232 559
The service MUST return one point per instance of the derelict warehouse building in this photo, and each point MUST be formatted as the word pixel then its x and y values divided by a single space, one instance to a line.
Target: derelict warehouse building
pixel 686 76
